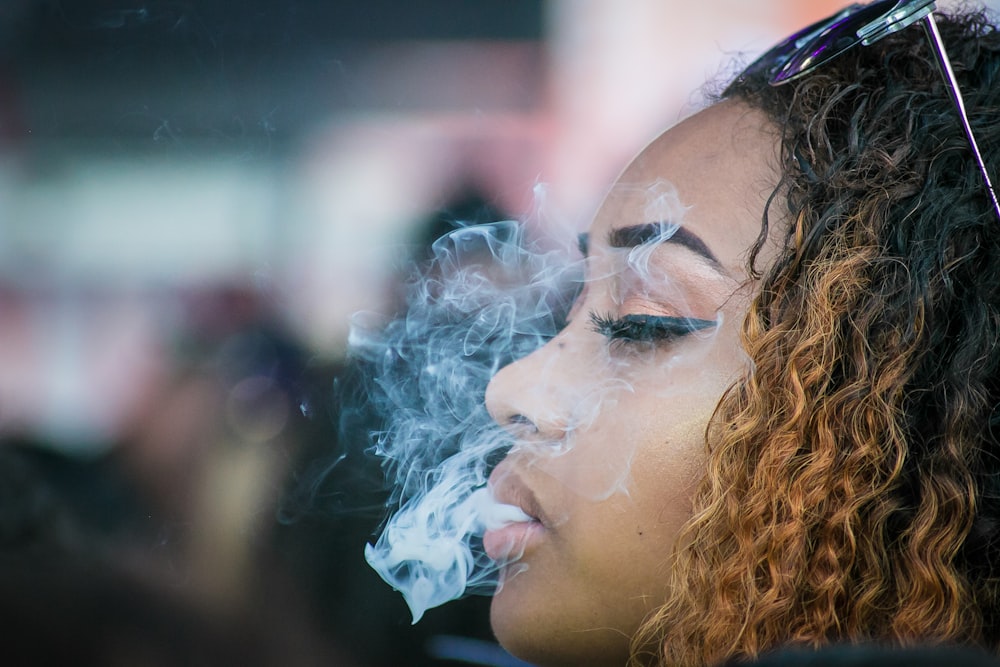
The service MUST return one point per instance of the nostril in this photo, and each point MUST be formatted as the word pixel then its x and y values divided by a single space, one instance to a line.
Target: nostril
pixel 517 419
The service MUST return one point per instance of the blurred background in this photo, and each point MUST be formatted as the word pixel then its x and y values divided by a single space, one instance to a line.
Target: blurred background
pixel 194 199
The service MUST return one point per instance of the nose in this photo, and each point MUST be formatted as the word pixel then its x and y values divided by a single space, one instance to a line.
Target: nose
pixel 532 396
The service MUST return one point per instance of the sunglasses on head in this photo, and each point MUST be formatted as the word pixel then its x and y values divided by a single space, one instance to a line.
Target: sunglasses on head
pixel 811 47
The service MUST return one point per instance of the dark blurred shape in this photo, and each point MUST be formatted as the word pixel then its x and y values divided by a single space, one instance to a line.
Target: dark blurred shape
pixel 259 75
pixel 469 206
pixel 333 508
pixel 76 27
pixel 31 513
pixel 67 598
pixel 337 497
pixel 874 656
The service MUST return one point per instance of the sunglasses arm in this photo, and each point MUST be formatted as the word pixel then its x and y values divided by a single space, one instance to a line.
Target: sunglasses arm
pixel 937 44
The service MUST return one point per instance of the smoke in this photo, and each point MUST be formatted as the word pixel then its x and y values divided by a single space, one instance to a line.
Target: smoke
pixel 487 298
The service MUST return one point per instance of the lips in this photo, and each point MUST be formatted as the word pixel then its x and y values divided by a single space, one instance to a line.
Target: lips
pixel 514 539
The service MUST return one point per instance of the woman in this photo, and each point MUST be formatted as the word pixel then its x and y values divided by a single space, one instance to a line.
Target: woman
pixel 792 308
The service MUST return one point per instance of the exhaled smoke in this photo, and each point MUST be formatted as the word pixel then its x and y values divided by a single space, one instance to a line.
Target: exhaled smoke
pixel 486 298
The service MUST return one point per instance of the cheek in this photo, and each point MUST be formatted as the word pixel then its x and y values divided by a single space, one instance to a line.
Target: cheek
pixel 668 426
pixel 670 459
pixel 650 438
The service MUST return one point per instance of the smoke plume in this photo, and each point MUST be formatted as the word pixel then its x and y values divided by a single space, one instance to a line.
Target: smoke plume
pixel 487 297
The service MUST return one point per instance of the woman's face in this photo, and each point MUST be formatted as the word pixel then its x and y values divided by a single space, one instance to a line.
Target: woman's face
pixel 611 416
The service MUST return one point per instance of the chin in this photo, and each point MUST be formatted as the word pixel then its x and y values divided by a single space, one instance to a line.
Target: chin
pixel 541 627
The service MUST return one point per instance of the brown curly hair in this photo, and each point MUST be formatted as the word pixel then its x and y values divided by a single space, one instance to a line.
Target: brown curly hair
pixel 853 484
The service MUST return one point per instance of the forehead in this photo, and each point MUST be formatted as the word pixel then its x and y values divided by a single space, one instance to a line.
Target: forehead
pixel 712 173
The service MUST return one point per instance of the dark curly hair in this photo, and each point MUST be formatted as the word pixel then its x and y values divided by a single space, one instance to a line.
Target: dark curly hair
pixel 853 485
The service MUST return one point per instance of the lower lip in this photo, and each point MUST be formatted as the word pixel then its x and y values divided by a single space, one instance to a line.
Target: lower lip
pixel 513 540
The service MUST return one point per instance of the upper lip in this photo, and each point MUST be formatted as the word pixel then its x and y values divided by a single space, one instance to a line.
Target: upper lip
pixel 507 487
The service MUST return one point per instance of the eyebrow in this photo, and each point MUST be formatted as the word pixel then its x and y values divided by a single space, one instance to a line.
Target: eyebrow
pixel 660 232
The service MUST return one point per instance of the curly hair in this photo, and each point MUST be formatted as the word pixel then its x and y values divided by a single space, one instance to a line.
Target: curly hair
pixel 853 485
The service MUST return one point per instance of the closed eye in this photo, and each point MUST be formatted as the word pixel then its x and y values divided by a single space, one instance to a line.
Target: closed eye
pixel 640 328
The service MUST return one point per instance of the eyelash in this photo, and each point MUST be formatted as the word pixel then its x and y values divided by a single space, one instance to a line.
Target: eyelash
pixel 646 328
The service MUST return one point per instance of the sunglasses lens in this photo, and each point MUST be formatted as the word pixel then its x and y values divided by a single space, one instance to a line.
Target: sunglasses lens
pixel 777 56
pixel 837 36
pixel 809 48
